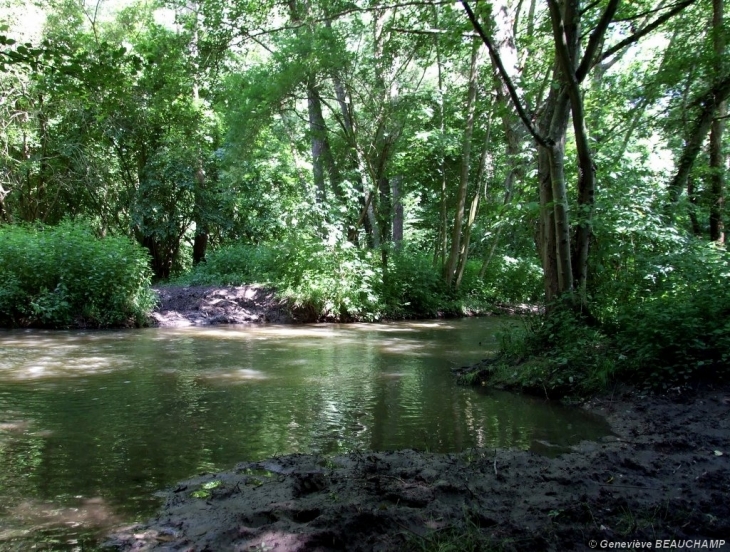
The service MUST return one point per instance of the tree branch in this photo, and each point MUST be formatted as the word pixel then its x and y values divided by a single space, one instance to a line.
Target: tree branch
pixel 351 9
pixel 628 41
pixel 431 32
pixel 505 77
pixel 709 102
pixel 644 14
pixel 595 40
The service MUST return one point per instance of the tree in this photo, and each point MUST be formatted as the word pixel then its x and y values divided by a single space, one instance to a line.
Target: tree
pixel 566 267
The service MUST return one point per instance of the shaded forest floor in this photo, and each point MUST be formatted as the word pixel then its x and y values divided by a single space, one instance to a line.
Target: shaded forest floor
pixel 665 474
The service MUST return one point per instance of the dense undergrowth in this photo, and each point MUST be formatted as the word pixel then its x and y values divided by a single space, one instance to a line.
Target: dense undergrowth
pixel 668 327
pixel 342 282
pixel 64 275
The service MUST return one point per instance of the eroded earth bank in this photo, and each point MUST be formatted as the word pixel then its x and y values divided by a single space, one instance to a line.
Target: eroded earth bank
pixel 205 305
pixel 665 474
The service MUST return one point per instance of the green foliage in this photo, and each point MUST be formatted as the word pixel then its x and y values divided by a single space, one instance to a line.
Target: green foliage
pixel 234 264
pixel 513 279
pixel 557 354
pixel 678 329
pixel 414 287
pixel 63 275
pixel 343 282
pixel 335 282
pixel 671 330
pixel 321 282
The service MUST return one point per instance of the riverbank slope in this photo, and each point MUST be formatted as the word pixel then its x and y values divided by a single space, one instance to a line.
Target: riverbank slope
pixel 206 305
pixel 665 475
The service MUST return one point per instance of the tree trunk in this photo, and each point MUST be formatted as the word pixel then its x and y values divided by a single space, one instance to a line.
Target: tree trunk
pixel 439 256
pixel 397 212
pixel 553 232
pixel 717 177
pixel 449 270
pixel 693 207
pixel 717 159
pixel 562 225
pixel 474 206
pixel 200 242
pixel 316 131
pixel 567 60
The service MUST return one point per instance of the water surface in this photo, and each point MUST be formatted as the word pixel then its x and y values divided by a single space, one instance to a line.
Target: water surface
pixel 92 424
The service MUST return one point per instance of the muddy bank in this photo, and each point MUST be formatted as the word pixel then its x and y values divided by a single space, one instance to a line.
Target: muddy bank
pixel 205 305
pixel 664 475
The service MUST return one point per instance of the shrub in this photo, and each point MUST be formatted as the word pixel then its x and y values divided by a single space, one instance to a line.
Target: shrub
pixel 514 280
pixel 235 264
pixel 558 354
pixel 678 329
pixel 414 287
pixel 64 275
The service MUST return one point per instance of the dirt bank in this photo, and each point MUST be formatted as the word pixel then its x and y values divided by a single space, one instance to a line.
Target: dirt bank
pixel 665 475
pixel 207 305
pixel 204 305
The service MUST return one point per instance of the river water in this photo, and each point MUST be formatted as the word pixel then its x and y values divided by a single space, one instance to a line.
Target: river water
pixel 93 424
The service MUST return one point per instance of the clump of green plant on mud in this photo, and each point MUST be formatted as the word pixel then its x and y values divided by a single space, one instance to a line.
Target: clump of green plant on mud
pixel 59 276
pixel 557 355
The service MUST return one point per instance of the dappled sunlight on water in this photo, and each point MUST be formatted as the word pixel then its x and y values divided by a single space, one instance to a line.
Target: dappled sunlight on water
pixel 121 415
pixel 244 374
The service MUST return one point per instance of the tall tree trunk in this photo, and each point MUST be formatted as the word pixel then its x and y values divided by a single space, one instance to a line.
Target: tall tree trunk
pixel 349 130
pixel 567 60
pixel 322 158
pixel 562 226
pixel 479 190
pixel 550 131
pixel 317 136
pixel 693 208
pixel 439 256
pixel 396 191
pixel 449 270
pixel 553 232
pixel 717 159
pixel 200 241
pixel 514 131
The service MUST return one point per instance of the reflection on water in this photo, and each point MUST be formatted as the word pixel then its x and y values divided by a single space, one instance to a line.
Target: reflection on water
pixel 92 424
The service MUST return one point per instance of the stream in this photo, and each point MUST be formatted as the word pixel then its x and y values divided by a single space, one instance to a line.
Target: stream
pixel 94 424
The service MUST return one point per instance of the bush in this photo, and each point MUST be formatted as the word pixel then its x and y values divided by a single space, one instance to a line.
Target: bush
pixel 64 275
pixel 678 329
pixel 558 354
pixel 514 280
pixel 234 265
pixel 672 329
pixel 414 287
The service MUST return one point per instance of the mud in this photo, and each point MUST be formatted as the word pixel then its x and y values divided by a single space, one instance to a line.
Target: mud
pixel 205 305
pixel 665 474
